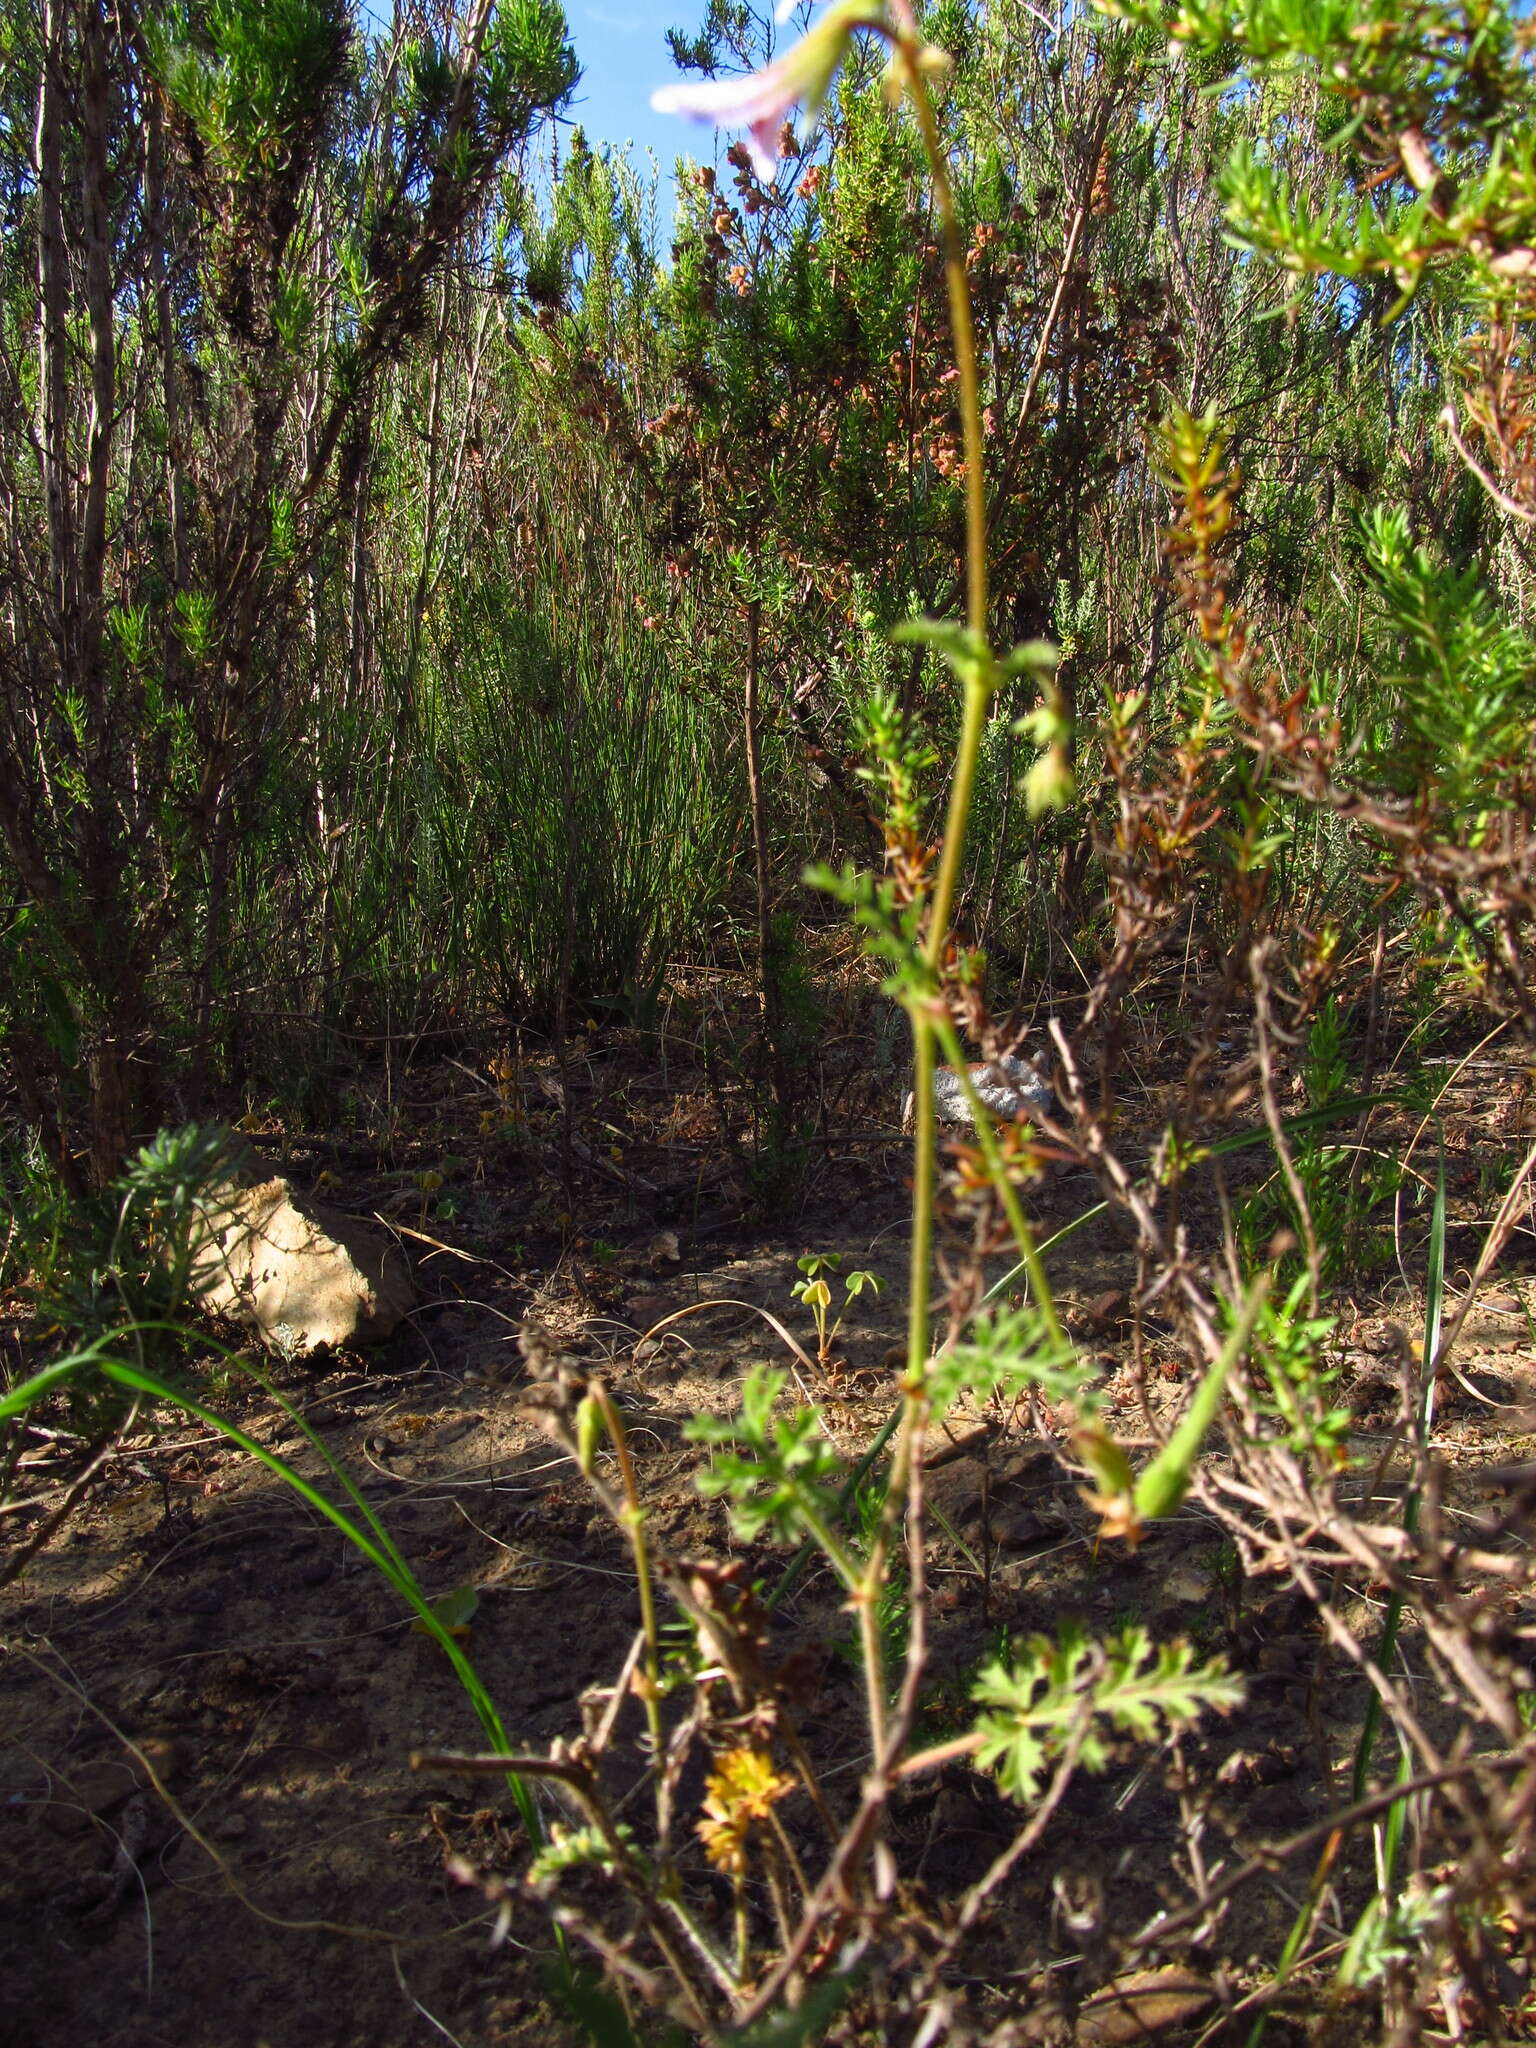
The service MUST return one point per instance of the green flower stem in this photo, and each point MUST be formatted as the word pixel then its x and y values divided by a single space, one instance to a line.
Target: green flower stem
pixel 634 1529
pixel 997 1169
pixel 978 695
pixel 924 1163
pixel 841 1559
pixel 863 1584
pixel 743 1928
pixel 802 1557
pixel 964 335
pixel 698 1940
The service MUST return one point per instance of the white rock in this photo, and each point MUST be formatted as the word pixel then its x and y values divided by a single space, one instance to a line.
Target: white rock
pixel 301 1275
pixel 1011 1088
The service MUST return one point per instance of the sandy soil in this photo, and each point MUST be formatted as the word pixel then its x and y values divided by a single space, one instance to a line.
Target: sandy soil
pixel 210 1836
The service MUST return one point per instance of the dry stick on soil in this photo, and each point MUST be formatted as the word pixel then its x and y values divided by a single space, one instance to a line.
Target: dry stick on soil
pixel 100 1452
pixel 833 1904
pixel 1282 1497
pixel 577 1777
pixel 1003 1865
pixel 1498 1236
pixel 651 1985
pixel 1425 1121
pixel 1283 1513
pixel 747 1681
pixel 1282 1493
pixel 753 1308
pixel 1266 1031
pixel 1273 1855
pixel 1371 1050
pixel 188 1826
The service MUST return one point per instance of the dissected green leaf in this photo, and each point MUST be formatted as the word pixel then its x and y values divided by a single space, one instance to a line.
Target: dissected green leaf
pixel 1073 1690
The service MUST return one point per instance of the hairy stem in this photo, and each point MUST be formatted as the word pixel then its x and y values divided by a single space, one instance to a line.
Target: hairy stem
pixel 978 694
pixel 634 1528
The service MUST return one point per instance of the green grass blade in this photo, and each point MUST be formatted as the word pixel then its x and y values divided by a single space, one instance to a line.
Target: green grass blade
pixel 370 1540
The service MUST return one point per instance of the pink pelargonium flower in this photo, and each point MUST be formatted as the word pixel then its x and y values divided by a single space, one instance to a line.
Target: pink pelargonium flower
pixel 762 101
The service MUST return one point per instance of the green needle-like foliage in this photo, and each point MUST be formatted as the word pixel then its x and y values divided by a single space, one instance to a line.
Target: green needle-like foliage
pixel 1457 730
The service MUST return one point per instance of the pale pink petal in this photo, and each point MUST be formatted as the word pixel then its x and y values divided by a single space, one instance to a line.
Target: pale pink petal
pixel 728 102
pixel 716 99
pixel 763 145
pixel 762 101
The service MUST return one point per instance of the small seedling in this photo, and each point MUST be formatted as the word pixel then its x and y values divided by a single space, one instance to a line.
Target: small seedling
pixel 816 1292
